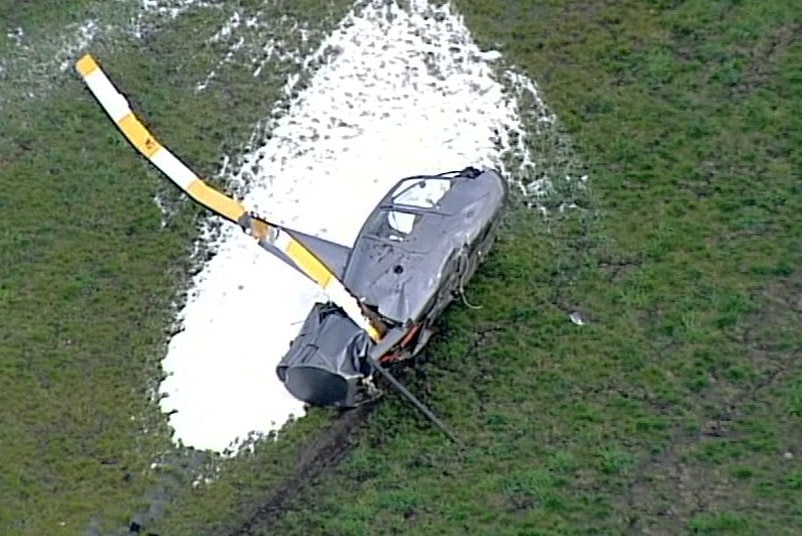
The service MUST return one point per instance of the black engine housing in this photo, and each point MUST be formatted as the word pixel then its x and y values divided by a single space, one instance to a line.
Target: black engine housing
pixel 327 361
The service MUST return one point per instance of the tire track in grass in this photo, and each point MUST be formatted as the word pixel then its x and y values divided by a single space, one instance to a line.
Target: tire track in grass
pixel 391 92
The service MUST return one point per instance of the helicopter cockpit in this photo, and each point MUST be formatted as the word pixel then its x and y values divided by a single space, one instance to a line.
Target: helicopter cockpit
pixel 398 215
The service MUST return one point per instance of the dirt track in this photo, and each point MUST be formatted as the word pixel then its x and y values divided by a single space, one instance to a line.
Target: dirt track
pixel 320 455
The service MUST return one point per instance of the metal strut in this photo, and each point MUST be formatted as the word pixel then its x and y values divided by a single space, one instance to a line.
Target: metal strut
pixel 417 403
pixel 393 337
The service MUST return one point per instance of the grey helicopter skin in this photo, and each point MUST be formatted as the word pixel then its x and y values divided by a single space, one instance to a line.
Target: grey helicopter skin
pixel 414 254
pixel 407 278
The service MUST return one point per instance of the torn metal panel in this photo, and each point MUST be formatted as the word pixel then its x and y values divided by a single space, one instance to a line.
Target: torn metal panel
pixel 327 360
pixel 400 269
pixel 416 250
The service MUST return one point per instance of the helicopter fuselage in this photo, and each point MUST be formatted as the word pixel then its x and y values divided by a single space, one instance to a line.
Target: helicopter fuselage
pixel 414 254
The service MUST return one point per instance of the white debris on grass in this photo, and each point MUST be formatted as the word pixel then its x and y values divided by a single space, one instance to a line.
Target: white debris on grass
pixel 272 51
pixel 224 33
pixel 396 93
pixel 30 58
pixel 84 35
pixel 27 69
pixel 16 35
pixel 576 318
pixel 253 37
pixel 170 9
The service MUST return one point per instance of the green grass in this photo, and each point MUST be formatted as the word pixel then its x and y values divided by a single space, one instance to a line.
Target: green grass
pixel 675 410
pixel 88 275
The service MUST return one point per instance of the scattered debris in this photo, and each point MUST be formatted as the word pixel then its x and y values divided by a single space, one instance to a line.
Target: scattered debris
pixel 576 318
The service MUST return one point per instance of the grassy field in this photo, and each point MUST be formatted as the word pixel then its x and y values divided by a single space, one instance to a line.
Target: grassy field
pixel 675 409
pixel 88 276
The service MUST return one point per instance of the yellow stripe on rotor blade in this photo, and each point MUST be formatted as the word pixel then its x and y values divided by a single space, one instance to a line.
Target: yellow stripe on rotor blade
pixel 337 292
pixel 86 65
pixel 138 135
pixel 119 110
pixel 320 273
pixel 209 197
pixel 310 264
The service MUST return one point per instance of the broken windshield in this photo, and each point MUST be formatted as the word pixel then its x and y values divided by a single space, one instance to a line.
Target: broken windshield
pixel 421 192
pixel 411 194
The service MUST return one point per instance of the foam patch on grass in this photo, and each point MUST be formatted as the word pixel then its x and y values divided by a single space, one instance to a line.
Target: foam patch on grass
pixel 153 15
pixel 83 37
pixel 234 23
pixel 35 62
pixel 392 92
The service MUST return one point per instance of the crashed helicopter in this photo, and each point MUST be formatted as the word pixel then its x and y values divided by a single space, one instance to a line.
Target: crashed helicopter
pixel 412 257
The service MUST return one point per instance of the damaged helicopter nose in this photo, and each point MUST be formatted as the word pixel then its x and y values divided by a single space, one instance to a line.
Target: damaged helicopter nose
pixel 328 360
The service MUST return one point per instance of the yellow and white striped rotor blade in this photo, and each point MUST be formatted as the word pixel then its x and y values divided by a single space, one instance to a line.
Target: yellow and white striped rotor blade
pixel 334 288
pixel 119 110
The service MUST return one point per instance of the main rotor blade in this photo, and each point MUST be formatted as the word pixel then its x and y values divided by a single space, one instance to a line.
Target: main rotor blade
pixel 119 110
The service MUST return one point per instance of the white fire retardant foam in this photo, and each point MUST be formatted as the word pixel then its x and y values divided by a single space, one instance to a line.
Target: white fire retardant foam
pixel 406 92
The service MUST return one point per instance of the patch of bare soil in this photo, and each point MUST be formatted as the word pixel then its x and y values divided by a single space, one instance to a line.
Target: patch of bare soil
pixel 321 455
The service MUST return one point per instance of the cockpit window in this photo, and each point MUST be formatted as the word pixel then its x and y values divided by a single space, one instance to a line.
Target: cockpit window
pixel 401 213
pixel 423 193
pixel 393 225
pixel 420 193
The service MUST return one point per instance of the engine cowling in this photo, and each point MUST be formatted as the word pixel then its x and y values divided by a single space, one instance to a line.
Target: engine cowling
pixel 328 360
